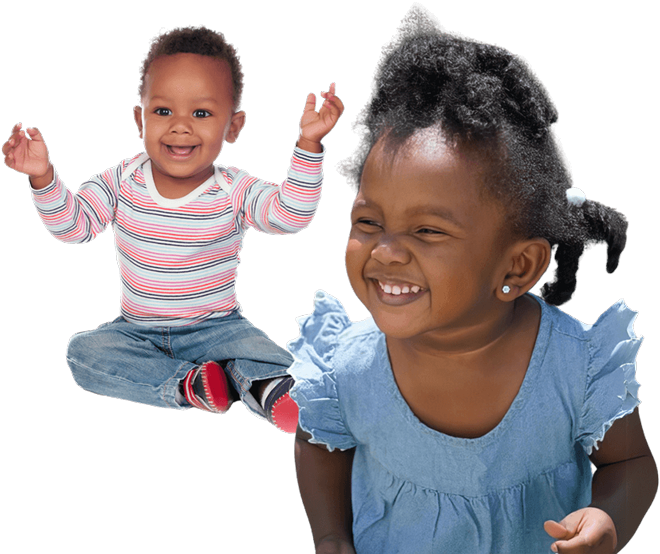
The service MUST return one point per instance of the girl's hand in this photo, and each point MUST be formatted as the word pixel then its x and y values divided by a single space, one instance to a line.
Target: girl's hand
pixel 589 530
pixel 334 545
pixel 27 155
pixel 315 125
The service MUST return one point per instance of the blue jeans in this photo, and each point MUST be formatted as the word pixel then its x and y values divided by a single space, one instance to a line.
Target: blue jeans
pixel 146 364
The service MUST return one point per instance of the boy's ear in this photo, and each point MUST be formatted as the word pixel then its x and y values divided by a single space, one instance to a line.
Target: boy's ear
pixel 529 259
pixel 235 127
pixel 137 114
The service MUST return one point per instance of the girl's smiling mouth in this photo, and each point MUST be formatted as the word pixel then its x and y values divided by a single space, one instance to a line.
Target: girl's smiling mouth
pixel 396 290
pixel 397 293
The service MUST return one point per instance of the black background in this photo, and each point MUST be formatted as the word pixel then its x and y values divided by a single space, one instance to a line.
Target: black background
pixel 83 471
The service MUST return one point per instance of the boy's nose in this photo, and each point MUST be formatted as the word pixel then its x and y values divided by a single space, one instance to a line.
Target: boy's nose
pixel 390 250
pixel 180 125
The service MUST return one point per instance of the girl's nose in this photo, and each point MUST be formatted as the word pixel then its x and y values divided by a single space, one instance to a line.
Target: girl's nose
pixel 389 250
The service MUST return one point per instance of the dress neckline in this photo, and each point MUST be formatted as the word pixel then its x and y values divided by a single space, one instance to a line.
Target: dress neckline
pixel 519 401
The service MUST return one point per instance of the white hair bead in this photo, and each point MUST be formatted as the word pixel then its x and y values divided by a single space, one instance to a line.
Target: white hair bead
pixel 575 196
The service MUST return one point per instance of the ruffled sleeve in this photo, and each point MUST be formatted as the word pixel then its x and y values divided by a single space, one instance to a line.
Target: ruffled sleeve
pixel 611 391
pixel 315 389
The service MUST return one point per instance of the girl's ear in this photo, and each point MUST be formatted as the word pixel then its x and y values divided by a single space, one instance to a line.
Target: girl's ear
pixel 529 259
pixel 137 115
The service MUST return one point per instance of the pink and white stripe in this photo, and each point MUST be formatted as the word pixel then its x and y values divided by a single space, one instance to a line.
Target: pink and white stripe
pixel 178 263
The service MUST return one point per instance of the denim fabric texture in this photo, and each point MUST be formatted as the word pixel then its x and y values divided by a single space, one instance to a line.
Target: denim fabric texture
pixel 146 364
pixel 415 489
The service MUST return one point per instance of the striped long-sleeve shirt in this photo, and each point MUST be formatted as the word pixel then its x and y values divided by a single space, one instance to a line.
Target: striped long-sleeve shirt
pixel 178 257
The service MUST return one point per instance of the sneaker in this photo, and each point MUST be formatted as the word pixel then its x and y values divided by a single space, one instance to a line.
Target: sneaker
pixel 281 409
pixel 206 387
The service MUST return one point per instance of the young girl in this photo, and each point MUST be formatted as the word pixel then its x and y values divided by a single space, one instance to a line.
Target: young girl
pixel 179 221
pixel 465 416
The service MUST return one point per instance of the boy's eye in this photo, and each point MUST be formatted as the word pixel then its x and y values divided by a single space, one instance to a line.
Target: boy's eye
pixel 196 113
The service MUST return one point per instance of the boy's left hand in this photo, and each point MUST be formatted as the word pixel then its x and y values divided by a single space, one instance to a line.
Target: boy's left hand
pixel 589 530
pixel 315 125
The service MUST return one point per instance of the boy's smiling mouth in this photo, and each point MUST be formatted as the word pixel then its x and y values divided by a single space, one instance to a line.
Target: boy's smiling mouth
pixel 180 150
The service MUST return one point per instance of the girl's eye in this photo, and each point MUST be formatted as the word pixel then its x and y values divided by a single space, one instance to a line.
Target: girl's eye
pixel 367 222
pixel 163 111
pixel 365 225
pixel 429 232
pixel 201 113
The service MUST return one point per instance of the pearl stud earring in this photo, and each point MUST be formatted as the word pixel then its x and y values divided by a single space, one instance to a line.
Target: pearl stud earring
pixel 506 289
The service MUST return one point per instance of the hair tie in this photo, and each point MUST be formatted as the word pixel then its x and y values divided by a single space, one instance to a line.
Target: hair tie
pixel 575 197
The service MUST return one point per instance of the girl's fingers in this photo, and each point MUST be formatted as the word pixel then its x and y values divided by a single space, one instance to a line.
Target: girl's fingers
pixel 555 530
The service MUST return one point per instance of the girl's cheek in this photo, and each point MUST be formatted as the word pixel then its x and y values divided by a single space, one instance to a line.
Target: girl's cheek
pixel 356 256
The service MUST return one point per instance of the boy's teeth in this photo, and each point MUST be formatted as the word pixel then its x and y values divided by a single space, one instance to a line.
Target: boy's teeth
pixel 387 289
pixel 405 290
pixel 415 289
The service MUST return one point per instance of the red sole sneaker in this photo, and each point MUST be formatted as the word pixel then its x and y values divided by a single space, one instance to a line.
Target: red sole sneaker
pixel 284 414
pixel 214 394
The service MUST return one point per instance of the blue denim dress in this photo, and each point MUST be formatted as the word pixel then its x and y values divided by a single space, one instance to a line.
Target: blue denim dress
pixel 417 490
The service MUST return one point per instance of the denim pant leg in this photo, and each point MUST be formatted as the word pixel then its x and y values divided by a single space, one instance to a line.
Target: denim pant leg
pixel 255 357
pixel 127 361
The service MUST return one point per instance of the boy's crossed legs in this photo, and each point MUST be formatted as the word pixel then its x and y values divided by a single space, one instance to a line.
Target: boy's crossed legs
pixel 149 364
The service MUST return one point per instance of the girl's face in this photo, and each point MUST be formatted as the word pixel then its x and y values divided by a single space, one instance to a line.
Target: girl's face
pixel 425 252
pixel 186 115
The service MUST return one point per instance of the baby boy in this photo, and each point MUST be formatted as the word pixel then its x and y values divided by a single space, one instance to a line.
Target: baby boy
pixel 179 221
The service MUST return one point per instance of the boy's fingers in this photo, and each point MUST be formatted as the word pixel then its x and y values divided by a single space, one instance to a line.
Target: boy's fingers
pixel 35 134
pixel 338 104
pixel 332 89
pixel 11 142
pixel 310 104
pixel 334 106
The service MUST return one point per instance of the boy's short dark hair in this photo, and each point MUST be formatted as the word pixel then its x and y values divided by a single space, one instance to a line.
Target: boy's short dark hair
pixel 196 40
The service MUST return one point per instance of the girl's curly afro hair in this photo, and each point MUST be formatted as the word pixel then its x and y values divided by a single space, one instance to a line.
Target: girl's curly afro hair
pixel 483 99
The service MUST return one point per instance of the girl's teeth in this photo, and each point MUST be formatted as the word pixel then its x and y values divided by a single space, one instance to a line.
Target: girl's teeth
pixel 397 290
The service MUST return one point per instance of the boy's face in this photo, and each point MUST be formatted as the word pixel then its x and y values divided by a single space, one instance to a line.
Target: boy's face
pixel 425 250
pixel 187 113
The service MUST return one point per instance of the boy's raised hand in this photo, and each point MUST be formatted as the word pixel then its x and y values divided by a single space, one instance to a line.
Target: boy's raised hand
pixel 315 125
pixel 27 155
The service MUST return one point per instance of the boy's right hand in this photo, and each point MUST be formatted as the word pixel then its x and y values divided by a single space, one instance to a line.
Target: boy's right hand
pixel 334 545
pixel 28 155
